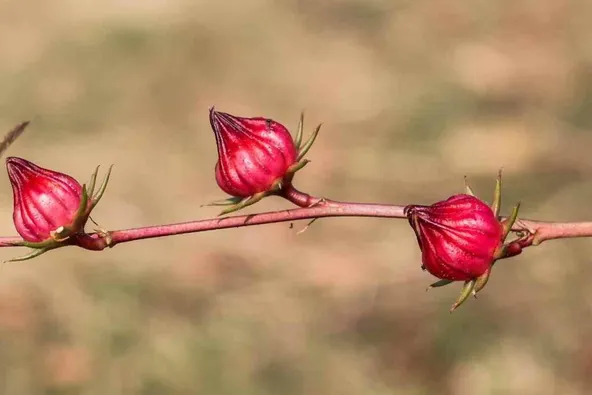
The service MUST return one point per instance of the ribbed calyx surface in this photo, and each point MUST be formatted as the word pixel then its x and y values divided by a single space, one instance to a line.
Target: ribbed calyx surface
pixel 253 153
pixel 458 237
pixel 44 199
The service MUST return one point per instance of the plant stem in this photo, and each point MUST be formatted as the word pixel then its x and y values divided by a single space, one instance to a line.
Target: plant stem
pixel 320 210
pixel 311 208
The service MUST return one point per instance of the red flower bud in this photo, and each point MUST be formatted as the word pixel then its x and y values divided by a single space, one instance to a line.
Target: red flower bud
pixel 461 238
pixel 51 208
pixel 44 200
pixel 458 237
pixel 253 153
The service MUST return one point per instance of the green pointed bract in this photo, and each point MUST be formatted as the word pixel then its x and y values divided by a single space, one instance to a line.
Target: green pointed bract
pixel 81 215
pixel 466 291
pixel 225 202
pixel 33 254
pixel 49 243
pixel 481 281
pixel 439 283
pixel 246 202
pixel 93 181
pixel 502 251
pixel 304 149
pixel 300 132
pixel 297 166
pixel 95 199
pixel 468 189
pixel 85 208
pixel 509 222
pixel 497 195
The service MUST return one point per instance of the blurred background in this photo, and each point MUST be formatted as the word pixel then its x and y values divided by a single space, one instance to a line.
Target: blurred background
pixel 413 96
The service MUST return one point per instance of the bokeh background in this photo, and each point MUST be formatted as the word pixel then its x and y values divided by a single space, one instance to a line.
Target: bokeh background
pixel 413 96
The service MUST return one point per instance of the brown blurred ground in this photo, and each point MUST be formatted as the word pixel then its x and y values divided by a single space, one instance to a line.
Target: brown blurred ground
pixel 413 95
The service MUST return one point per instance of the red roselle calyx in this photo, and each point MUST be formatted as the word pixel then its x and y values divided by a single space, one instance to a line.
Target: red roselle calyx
pixel 49 207
pixel 256 157
pixel 461 238
pixel 458 237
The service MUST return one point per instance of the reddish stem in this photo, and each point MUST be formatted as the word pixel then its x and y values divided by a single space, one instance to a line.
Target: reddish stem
pixel 309 208
pixel 315 208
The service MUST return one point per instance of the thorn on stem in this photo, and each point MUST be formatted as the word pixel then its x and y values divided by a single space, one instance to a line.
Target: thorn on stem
pixel 319 202
pixel 248 218
pixel 306 227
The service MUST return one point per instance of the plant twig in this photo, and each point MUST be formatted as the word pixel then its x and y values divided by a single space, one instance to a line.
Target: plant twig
pixel 12 136
pixel 311 208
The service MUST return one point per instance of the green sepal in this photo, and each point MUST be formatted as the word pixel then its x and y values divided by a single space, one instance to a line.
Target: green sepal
pixel 497 195
pixel 93 181
pixel 246 202
pixel 481 281
pixel 95 199
pixel 225 202
pixel 49 243
pixel 509 222
pixel 82 208
pixel 300 132
pixel 466 291
pixel 80 218
pixel 33 254
pixel 499 253
pixel 304 149
pixel 468 189
pixel 440 283
pixel 297 166
pixel 238 203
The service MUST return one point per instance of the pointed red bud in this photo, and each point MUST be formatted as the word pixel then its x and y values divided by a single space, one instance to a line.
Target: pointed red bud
pixel 253 153
pixel 44 200
pixel 458 237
